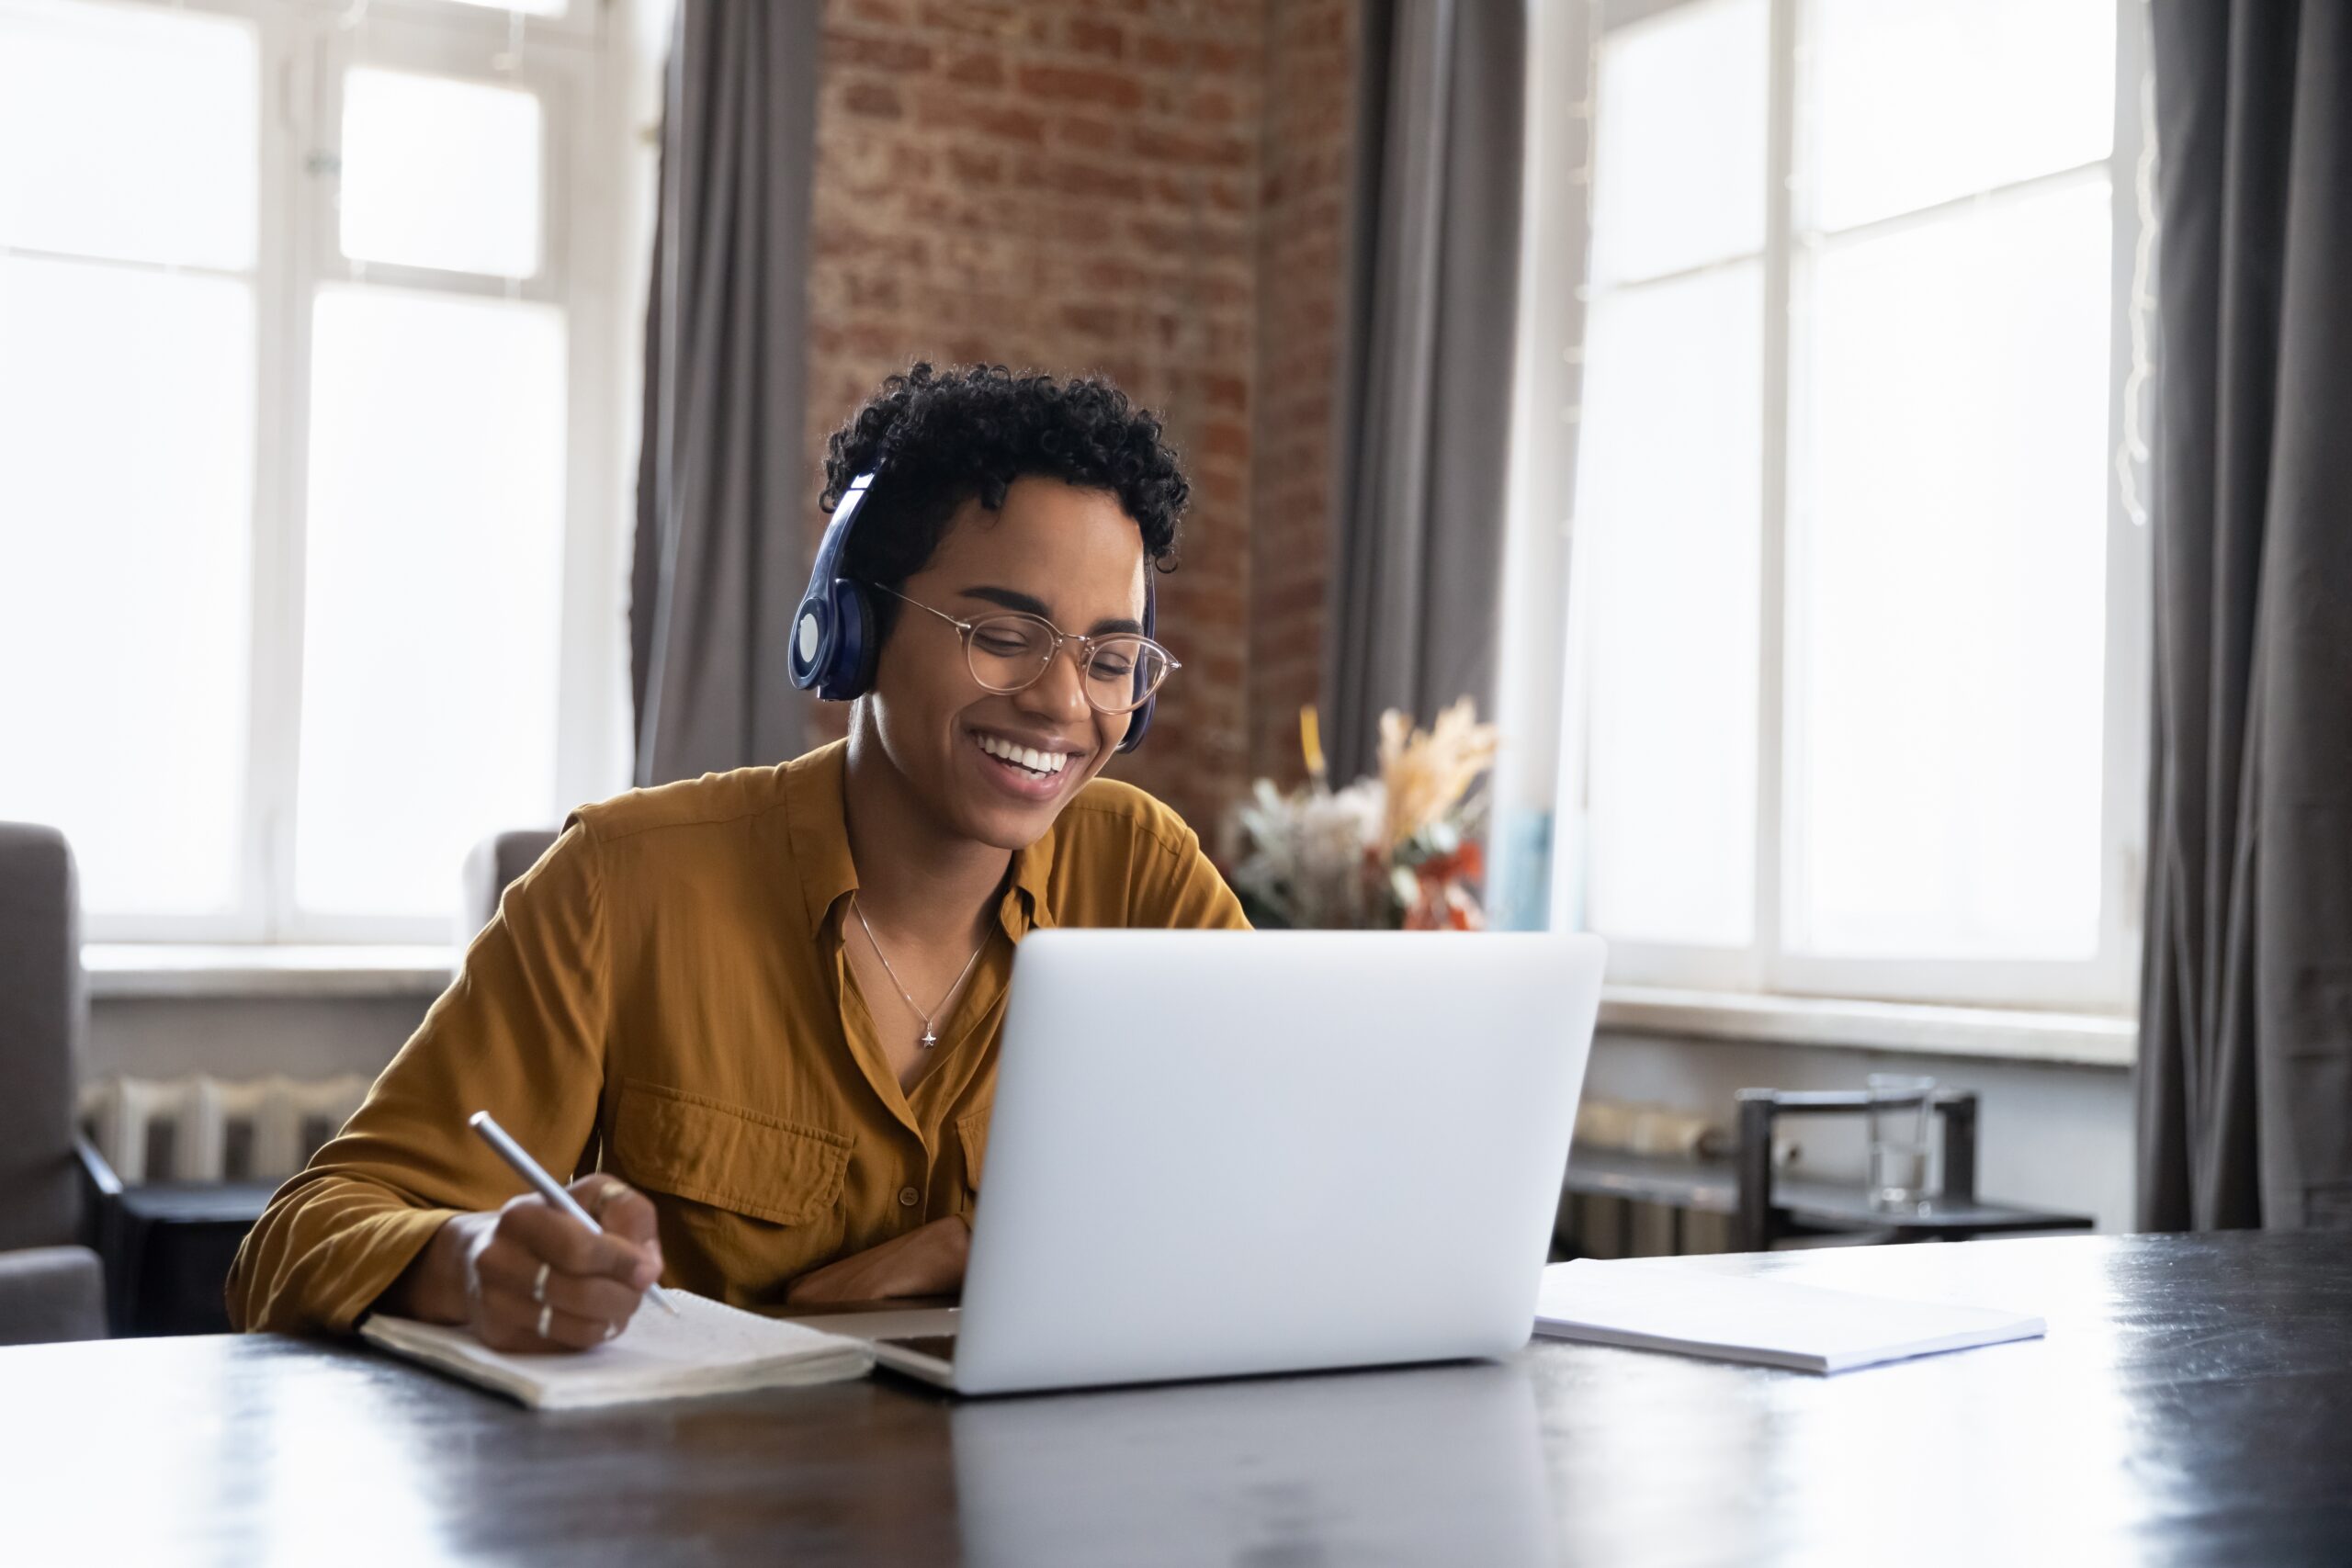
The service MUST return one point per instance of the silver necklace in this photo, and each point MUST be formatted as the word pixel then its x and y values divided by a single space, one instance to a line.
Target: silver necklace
pixel 930 1035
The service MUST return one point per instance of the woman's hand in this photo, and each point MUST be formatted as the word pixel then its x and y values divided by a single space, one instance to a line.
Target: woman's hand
pixel 529 1266
pixel 926 1261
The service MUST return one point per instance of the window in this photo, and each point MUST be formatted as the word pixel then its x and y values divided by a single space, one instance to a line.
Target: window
pixel 1856 678
pixel 309 574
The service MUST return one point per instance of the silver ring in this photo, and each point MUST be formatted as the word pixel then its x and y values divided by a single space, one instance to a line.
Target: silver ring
pixel 539 1284
pixel 547 1320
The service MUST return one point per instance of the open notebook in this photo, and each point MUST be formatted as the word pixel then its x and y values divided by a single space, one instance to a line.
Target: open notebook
pixel 1732 1318
pixel 707 1349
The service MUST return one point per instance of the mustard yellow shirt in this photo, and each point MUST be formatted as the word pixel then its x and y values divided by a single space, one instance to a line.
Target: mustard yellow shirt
pixel 664 996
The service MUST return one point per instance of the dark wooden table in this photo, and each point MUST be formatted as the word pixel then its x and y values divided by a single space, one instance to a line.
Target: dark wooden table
pixel 2192 1404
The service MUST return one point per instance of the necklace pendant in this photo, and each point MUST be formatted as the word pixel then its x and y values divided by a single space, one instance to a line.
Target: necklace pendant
pixel 928 1038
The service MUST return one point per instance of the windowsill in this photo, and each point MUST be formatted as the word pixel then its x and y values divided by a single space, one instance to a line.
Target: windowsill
pixel 168 970
pixel 2096 1040
pixel 262 971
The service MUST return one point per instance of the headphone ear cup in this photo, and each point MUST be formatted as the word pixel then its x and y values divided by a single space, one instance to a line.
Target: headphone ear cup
pixel 1140 723
pixel 850 671
pixel 1137 725
pixel 809 642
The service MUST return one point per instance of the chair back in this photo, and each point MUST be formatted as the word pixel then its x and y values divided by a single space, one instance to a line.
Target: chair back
pixel 492 867
pixel 43 1010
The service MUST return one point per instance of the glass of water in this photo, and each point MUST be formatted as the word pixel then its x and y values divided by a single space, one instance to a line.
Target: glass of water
pixel 1902 1121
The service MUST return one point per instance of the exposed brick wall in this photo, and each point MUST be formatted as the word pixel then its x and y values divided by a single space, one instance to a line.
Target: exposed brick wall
pixel 1305 168
pixel 1099 186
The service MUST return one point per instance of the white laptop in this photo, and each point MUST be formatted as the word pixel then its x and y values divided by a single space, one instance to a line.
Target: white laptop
pixel 1216 1154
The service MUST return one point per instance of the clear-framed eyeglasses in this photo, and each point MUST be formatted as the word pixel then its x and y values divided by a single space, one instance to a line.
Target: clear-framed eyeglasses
pixel 1010 651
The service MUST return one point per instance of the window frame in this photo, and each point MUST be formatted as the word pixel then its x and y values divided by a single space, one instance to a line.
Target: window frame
pixel 573 64
pixel 1563 129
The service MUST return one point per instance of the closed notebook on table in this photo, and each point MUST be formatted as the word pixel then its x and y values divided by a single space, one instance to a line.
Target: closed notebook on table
pixel 708 1348
pixel 1644 1305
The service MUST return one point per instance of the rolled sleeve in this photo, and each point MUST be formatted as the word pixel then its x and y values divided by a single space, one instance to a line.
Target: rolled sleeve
pixel 521 1034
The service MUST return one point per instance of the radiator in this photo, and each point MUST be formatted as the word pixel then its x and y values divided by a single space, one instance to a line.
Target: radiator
pixel 202 1129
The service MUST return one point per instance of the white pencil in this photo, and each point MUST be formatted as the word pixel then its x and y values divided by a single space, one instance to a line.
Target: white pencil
pixel 529 1170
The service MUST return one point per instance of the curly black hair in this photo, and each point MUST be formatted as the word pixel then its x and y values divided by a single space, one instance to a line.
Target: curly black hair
pixel 945 437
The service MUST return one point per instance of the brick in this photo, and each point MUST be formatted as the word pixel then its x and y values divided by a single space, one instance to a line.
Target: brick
pixel 976 68
pixel 1083 132
pixel 1086 35
pixel 1068 176
pixel 1008 22
pixel 1292 599
pixel 1226 438
pixel 975 166
pixel 876 100
pixel 1076 225
pixel 1178 238
pixel 873 291
pixel 1118 274
pixel 877 51
pixel 1223 194
pixel 1220 57
pixel 1002 122
pixel 1225 391
pixel 1094 320
pixel 1217 105
pixel 1079 84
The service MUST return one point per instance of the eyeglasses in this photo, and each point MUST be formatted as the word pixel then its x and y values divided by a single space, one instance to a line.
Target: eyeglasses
pixel 1011 651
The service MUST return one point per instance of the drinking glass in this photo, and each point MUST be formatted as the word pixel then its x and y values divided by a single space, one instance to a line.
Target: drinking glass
pixel 1902 1110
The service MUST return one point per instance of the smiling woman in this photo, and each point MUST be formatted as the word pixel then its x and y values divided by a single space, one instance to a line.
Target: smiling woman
pixel 756 1014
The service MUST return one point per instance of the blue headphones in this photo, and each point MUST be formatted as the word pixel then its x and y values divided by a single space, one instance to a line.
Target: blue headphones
pixel 833 637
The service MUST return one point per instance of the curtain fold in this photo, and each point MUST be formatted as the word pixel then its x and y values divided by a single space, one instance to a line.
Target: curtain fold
pixel 2245 1057
pixel 1427 370
pixel 722 487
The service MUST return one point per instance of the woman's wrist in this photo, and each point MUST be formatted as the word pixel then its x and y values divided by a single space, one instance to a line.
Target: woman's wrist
pixel 433 1287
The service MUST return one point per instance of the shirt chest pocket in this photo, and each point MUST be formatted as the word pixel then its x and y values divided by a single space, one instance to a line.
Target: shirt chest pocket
pixel 729 1158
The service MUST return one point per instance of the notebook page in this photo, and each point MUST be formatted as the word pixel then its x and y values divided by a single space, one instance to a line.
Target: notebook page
pixel 708 1347
pixel 1769 1321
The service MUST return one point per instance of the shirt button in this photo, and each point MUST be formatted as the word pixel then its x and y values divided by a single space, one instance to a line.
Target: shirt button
pixel 909 1197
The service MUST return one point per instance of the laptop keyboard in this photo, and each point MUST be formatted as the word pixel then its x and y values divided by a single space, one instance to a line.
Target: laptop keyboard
pixel 939 1346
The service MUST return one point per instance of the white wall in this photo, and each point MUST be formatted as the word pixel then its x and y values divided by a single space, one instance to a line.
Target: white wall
pixel 246 1037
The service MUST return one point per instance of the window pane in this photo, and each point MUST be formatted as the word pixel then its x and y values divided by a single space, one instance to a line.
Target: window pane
pixel 440 173
pixel 1667 520
pixel 1948 580
pixel 434 567
pixel 129 131
pixel 1918 103
pixel 529 7
pixel 125 463
pixel 1678 149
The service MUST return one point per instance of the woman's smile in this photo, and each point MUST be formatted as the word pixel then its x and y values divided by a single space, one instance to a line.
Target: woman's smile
pixel 1030 769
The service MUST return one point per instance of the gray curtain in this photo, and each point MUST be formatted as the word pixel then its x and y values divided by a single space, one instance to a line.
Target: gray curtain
pixel 721 484
pixel 1427 369
pixel 2245 1069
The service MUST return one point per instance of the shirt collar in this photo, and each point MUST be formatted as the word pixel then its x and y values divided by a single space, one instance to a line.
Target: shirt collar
pixel 819 831
pixel 1033 870
pixel 820 848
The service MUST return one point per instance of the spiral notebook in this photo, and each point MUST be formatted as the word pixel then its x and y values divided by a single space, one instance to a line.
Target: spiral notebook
pixel 708 1347
pixel 1645 1307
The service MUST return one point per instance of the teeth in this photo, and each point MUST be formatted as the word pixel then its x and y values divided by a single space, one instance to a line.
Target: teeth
pixel 1036 761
